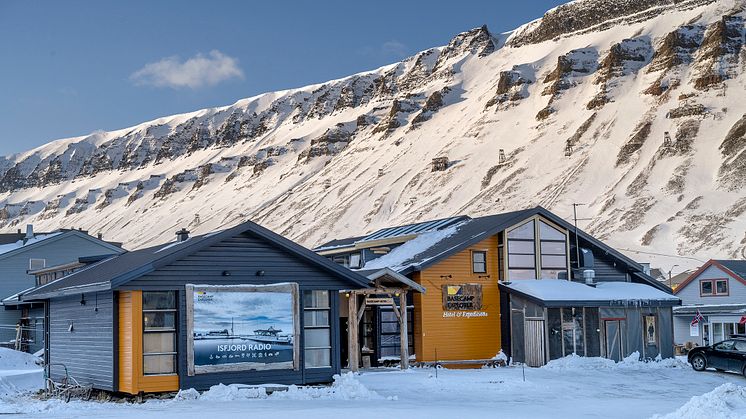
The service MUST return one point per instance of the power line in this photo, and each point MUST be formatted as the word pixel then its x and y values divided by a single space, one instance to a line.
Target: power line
pixel 662 254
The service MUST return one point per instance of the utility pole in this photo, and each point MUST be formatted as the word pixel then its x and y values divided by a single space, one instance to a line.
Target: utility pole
pixel 577 245
pixel 670 278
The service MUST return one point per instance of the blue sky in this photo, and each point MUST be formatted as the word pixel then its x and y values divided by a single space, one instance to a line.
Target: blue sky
pixel 73 67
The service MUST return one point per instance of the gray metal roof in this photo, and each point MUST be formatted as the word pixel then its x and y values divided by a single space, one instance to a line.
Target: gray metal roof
pixel 416 228
pixel 738 267
pixel 120 269
pixel 473 230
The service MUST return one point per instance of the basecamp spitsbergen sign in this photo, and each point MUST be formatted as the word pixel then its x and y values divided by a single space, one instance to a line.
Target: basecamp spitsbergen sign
pixel 234 328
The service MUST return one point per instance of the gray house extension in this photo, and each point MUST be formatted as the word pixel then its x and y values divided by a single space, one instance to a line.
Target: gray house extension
pixel 21 252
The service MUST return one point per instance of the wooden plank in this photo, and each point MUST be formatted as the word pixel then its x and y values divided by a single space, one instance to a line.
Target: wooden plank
pixel 353 349
pixel 403 332
pixel 379 301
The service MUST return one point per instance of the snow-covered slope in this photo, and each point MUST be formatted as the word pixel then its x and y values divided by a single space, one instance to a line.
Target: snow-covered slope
pixel 647 95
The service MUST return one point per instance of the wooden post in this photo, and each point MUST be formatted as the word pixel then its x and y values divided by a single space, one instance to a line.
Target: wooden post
pixel 403 330
pixel 352 329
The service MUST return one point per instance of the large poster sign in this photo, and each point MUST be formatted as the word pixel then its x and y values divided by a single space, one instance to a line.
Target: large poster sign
pixel 243 327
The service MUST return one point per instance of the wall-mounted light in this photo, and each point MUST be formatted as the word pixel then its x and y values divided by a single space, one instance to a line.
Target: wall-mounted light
pixel 82 299
pixel 226 273
pixel 70 328
pixel 347 294
pixel 483 276
pixel 260 273
pixel 446 276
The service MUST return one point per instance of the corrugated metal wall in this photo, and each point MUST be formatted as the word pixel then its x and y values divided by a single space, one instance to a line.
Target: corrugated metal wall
pixel 88 350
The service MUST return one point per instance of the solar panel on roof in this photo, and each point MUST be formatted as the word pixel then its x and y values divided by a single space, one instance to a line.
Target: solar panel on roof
pixel 416 228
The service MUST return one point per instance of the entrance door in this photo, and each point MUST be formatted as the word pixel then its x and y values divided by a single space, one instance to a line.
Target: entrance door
pixel 534 338
pixel 613 329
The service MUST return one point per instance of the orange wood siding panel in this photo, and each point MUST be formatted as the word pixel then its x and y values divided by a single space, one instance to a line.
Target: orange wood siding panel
pixel 458 338
pixel 131 378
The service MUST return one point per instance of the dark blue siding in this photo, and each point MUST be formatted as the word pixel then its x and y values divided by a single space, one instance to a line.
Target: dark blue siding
pixel 242 257
pixel 88 350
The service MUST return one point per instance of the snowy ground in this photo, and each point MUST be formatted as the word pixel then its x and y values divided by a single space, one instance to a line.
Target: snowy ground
pixel 571 387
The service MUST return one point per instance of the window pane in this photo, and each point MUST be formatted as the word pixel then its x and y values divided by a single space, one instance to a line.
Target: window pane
pixel 158 342
pixel 316 318
pixel 159 300
pixel 547 232
pixel 548 261
pixel 521 261
pixel 553 273
pixel 717 331
pixel 317 338
pixel 315 358
pixel 316 299
pixel 740 346
pixel 553 248
pixel 722 287
pixel 159 320
pixel 706 287
pixel 478 256
pixel 341 260
pixel 741 328
pixel 389 327
pixel 516 246
pixel 159 364
pixel 526 231
pixel 479 267
pixel 355 260
pixel 514 274
pixel 388 316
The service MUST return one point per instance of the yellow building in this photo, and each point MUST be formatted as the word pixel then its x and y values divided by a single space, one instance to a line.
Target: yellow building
pixel 462 262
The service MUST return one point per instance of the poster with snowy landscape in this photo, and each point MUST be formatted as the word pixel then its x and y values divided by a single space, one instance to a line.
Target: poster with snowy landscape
pixel 242 328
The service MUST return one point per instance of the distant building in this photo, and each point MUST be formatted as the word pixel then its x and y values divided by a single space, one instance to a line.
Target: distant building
pixel 717 291
pixel 23 253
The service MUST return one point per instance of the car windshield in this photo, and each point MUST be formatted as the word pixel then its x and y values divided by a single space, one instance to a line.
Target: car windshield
pixel 740 345
pixel 724 346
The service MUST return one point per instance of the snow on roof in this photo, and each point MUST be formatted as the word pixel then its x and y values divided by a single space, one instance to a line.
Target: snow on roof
pixel 563 290
pixel 401 254
pixel 5 248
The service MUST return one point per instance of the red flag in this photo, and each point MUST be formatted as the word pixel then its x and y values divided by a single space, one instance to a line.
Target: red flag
pixel 700 317
pixel 743 320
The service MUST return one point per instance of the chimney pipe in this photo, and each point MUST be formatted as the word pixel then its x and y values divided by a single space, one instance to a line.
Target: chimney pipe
pixel 100 236
pixel 29 231
pixel 182 235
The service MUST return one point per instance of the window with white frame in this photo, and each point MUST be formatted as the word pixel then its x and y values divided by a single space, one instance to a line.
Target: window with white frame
pixel 159 332
pixel 527 260
pixel 317 341
pixel 479 262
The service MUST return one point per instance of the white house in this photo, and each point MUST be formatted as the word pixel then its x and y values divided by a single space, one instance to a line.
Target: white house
pixel 717 291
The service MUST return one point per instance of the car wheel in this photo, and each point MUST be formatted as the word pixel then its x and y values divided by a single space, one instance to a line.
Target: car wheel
pixel 699 363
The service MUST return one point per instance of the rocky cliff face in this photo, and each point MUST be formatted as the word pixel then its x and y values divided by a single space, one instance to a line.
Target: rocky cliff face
pixel 631 106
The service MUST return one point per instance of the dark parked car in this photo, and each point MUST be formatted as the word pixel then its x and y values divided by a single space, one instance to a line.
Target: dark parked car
pixel 728 355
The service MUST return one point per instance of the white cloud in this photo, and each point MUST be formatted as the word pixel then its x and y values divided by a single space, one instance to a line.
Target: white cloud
pixel 394 48
pixel 198 71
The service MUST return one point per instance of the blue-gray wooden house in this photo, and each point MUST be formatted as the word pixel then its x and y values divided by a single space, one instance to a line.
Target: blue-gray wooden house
pixel 241 305
pixel 24 252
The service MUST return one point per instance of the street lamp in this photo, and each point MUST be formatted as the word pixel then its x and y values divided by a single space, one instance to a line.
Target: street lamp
pixel 670 285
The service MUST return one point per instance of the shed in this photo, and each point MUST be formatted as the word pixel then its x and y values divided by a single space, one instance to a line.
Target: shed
pixel 550 319
pixel 241 305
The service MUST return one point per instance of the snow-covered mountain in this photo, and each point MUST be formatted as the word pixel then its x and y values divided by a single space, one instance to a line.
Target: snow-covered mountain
pixel 633 107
